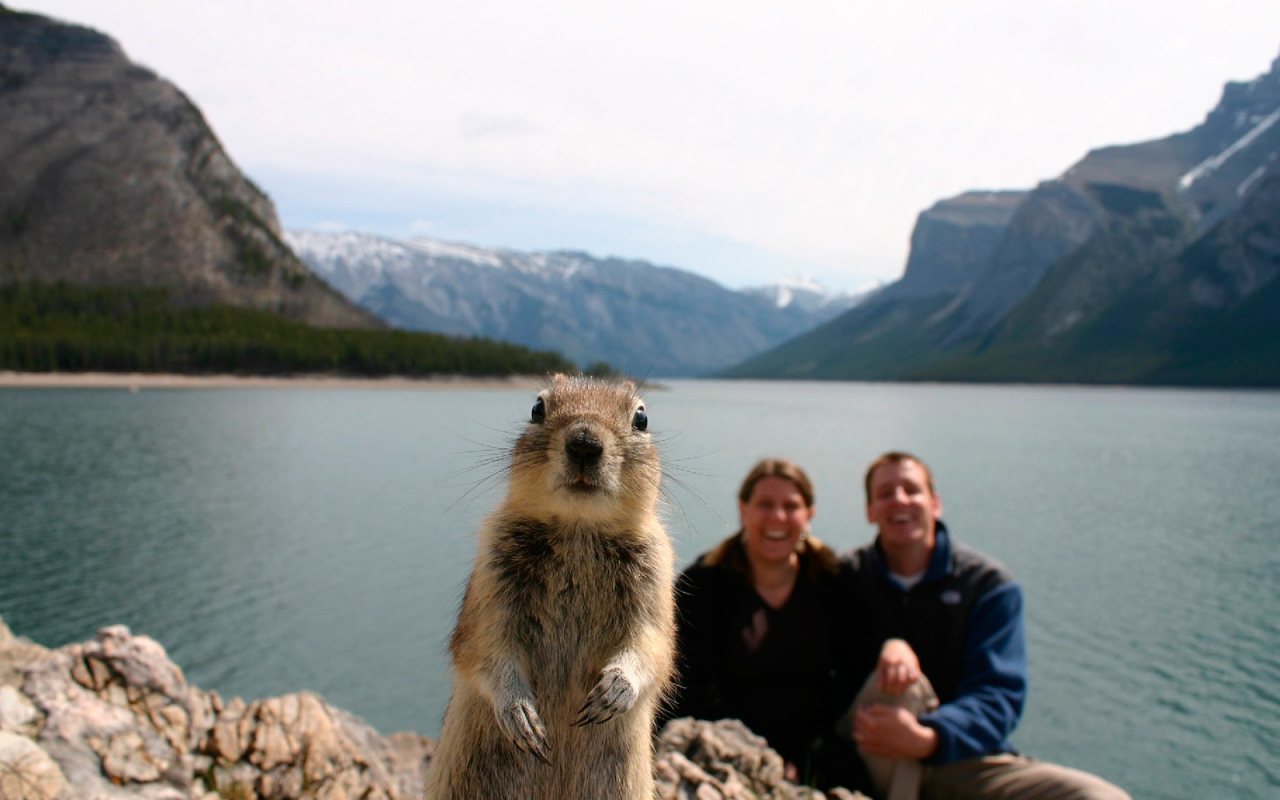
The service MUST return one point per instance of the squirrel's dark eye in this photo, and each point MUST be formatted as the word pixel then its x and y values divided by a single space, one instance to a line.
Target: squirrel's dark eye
pixel 539 411
pixel 641 420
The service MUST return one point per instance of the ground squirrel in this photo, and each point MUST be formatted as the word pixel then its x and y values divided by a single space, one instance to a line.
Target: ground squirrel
pixel 564 644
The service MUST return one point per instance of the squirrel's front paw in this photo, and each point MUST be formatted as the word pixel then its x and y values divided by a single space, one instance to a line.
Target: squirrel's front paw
pixel 613 695
pixel 521 723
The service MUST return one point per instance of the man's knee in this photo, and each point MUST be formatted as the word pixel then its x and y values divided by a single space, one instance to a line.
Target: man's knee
pixel 1012 777
pixel 1091 787
pixel 1079 785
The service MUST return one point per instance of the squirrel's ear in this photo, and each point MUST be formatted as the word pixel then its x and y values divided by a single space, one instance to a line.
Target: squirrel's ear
pixel 629 386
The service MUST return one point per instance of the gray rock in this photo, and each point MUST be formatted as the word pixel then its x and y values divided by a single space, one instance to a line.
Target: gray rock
pixel 118 713
pixel 27 772
pixel 121 721
pixel 17 713
pixel 713 760
pixel 15 653
pixel 114 719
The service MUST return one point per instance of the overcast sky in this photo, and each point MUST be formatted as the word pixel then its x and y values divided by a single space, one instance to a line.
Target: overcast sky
pixel 743 140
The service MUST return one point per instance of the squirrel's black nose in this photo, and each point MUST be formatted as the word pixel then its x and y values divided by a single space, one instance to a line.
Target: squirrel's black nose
pixel 583 448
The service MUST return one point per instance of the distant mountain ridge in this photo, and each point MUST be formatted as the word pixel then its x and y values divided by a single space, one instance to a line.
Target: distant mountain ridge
pixel 640 318
pixel 1131 267
pixel 110 176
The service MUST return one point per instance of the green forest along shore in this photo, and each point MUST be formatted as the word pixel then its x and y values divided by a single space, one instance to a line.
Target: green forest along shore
pixel 55 327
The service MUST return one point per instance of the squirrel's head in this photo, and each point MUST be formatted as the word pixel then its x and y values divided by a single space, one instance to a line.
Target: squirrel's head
pixel 586 452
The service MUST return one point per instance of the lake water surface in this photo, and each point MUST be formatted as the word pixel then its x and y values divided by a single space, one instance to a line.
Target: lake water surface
pixel 276 541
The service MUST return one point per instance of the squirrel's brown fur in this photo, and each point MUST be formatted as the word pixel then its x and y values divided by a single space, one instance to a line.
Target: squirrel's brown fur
pixel 564 644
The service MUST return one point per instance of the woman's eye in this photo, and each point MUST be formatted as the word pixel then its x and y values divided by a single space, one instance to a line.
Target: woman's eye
pixel 641 420
pixel 539 411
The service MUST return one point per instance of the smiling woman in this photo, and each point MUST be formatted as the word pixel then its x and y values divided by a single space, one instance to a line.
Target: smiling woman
pixel 775 524
pixel 760 626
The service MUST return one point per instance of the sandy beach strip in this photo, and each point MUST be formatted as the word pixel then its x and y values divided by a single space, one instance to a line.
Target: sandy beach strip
pixel 137 381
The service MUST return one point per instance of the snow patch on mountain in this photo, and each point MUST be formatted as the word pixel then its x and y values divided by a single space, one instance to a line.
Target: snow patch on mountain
pixel 462 252
pixel 805 292
pixel 1208 166
pixel 1249 181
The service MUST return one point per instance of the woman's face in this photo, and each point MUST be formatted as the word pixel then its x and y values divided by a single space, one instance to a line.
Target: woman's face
pixel 774 519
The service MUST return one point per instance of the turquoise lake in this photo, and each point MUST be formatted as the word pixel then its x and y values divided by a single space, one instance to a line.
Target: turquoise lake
pixel 281 540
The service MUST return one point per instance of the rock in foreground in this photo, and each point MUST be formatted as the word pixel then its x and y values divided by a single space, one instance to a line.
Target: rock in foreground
pixel 114 719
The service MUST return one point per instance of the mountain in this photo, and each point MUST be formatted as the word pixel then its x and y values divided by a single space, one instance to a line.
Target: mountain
pixel 640 318
pixel 1144 263
pixel 110 176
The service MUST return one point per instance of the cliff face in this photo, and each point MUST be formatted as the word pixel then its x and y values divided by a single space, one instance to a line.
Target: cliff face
pixel 954 241
pixel 110 176
pixel 1053 221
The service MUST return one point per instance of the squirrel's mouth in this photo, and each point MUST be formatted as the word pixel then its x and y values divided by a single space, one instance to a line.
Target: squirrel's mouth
pixel 581 484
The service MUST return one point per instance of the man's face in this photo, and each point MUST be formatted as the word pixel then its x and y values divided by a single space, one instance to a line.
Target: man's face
pixel 902 506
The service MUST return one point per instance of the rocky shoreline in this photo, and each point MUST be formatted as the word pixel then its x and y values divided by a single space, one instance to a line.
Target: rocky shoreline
pixel 114 719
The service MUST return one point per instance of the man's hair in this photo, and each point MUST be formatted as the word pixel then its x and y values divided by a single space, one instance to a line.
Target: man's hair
pixel 776 468
pixel 896 457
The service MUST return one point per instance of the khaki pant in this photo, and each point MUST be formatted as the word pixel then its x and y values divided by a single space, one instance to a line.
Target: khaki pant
pixel 1005 776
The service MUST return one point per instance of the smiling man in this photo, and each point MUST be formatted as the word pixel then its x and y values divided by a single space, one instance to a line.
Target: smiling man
pixel 961 613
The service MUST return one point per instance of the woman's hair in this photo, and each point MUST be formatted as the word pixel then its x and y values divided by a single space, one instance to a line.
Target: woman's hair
pixel 777 468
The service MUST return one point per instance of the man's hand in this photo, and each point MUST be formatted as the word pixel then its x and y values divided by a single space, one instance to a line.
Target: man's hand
pixel 898 667
pixel 893 732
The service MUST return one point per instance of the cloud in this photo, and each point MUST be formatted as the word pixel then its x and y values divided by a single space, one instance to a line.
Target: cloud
pixel 484 126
